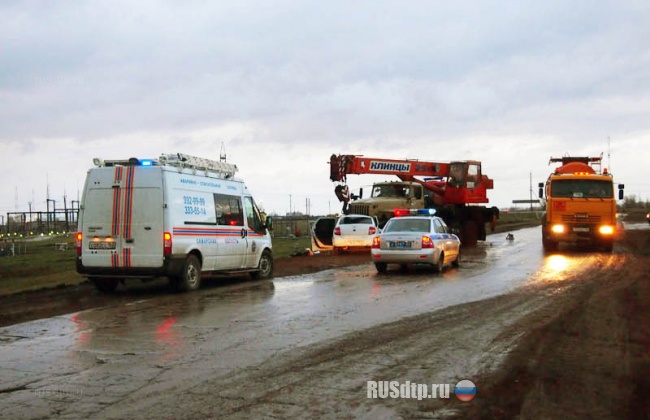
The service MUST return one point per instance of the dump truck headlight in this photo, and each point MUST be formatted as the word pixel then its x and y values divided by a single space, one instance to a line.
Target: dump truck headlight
pixel 558 229
pixel 606 230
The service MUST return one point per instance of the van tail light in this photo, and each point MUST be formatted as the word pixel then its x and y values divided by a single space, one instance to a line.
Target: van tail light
pixel 376 242
pixel 78 238
pixel 372 230
pixel 167 244
pixel 427 242
pixel 337 231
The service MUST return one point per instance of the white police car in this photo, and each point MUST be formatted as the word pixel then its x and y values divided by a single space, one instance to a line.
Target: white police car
pixel 415 237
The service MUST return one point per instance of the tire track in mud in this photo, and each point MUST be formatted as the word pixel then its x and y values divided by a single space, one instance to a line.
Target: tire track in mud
pixel 570 348
pixel 330 379
pixel 585 355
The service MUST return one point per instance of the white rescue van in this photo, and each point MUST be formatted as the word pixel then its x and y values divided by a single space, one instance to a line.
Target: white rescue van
pixel 177 216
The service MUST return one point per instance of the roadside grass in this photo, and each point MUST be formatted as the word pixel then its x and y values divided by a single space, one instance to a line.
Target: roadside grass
pixel 40 264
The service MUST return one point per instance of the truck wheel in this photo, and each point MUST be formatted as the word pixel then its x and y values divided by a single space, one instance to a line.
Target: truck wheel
pixel 381 267
pixel 469 233
pixel 105 285
pixel 190 278
pixel 265 268
pixel 549 246
pixel 608 246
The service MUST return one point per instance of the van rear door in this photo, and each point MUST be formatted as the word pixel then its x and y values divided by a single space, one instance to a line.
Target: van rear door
pixel 122 220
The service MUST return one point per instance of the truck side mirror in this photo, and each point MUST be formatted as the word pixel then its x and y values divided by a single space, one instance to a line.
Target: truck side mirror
pixel 269 223
pixel 541 189
pixel 621 188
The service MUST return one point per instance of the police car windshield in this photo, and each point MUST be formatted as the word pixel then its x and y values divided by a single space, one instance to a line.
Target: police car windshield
pixel 408 225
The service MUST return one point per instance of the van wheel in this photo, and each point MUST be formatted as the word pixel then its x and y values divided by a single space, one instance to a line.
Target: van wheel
pixel 190 278
pixel 265 268
pixel 105 285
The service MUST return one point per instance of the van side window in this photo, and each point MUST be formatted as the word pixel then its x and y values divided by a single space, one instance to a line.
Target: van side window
pixel 229 210
pixel 253 216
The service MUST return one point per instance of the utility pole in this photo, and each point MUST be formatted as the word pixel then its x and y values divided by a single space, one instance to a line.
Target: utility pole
pixel 30 215
pixel 609 157
pixel 531 191
pixel 65 209
pixel 49 214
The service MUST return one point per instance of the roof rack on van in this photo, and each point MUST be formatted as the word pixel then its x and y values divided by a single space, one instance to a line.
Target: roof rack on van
pixel 182 160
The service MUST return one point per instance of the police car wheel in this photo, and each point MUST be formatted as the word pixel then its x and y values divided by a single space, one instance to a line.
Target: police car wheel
pixel 265 267
pixel 381 267
pixel 191 276
pixel 437 267
pixel 456 263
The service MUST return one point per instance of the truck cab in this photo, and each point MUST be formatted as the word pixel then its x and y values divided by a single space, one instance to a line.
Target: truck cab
pixel 580 206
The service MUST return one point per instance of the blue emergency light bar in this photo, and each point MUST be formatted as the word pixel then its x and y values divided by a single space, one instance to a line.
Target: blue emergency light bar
pixel 414 212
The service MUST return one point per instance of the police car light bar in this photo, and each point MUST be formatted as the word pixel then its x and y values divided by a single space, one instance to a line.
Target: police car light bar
pixel 414 212
pixel 187 161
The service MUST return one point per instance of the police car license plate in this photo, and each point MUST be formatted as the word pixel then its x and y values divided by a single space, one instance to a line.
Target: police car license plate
pixel 400 244
pixel 101 245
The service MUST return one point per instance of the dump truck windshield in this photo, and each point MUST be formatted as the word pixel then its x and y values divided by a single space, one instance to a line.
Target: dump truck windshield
pixel 579 188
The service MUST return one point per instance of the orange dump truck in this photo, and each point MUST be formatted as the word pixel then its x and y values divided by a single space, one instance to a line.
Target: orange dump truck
pixel 580 204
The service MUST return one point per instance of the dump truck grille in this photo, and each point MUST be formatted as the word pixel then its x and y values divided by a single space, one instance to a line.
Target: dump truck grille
pixel 580 218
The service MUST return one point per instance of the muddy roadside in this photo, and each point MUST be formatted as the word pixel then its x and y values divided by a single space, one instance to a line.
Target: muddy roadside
pixel 586 355
pixel 44 303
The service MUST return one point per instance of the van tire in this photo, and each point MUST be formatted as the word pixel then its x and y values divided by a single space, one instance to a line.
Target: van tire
pixel 105 285
pixel 265 267
pixel 190 278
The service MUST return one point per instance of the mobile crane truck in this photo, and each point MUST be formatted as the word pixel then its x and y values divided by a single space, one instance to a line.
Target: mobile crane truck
pixel 580 204
pixel 453 188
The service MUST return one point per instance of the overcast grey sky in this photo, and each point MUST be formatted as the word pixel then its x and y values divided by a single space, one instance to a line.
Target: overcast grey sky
pixel 285 84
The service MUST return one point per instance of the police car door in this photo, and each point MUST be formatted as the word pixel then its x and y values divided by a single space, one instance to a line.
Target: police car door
pixel 450 244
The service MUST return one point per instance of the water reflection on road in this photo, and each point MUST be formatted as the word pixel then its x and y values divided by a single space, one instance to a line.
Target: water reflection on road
pixel 171 342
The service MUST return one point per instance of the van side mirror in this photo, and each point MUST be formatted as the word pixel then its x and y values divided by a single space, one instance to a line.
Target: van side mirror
pixel 621 188
pixel 541 189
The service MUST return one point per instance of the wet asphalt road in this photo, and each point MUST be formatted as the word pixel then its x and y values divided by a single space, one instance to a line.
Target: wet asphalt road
pixel 116 360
